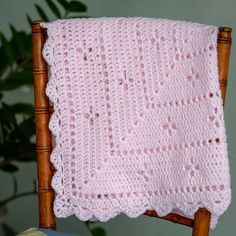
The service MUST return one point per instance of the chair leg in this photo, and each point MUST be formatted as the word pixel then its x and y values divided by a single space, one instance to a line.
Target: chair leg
pixel 201 225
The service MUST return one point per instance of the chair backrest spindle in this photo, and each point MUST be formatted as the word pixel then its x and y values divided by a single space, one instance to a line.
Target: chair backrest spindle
pixel 43 134
pixel 223 49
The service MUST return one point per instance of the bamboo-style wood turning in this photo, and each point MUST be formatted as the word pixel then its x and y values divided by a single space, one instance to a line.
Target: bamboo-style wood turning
pixel 224 46
pixel 43 135
pixel 201 222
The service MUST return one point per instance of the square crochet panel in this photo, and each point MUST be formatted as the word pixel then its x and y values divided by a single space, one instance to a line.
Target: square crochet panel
pixel 138 121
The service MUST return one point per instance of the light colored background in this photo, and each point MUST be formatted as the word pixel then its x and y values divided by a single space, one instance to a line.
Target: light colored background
pixel 23 212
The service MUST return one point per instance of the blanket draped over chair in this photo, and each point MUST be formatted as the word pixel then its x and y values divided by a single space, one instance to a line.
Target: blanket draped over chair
pixel 138 118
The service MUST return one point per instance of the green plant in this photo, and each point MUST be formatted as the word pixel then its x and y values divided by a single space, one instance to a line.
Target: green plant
pixel 17 141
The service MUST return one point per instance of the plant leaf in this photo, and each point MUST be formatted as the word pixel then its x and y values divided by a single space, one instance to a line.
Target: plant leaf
pixel 7 49
pixel 21 46
pixel 53 8
pixel 18 80
pixel 4 65
pixel 98 231
pixel 9 168
pixel 6 117
pixel 41 13
pixel 27 128
pixel 22 151
pixel 64 4
pixel 13 29
pixel 29 20
pixel 75 6
pixel 18 42
pixel 8 231
pixel 21 108
pixel 28 156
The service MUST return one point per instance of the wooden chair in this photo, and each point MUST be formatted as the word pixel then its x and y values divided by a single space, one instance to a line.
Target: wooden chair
pixel 201 221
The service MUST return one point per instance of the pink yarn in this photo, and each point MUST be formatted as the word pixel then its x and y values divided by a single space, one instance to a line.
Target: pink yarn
pixel 138 119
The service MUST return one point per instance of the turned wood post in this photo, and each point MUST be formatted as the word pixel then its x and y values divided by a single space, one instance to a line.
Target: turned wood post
pixel 43 134
pixel 201 224
pixel 202 217
pixel 223 48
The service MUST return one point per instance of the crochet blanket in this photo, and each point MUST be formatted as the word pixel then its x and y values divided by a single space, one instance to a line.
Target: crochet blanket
pixel 138 120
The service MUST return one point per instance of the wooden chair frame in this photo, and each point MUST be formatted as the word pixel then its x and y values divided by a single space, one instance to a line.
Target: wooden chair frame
pixel 201 221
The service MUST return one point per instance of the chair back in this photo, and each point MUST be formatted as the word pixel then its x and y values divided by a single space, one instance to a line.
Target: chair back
pixel 201 221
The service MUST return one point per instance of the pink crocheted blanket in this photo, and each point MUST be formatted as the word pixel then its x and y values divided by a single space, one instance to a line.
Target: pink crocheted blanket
pixel 138 121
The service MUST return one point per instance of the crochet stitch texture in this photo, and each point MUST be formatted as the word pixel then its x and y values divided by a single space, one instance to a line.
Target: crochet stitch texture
pixel 138 120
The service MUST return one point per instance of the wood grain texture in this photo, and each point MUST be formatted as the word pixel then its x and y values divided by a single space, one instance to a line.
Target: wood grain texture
pixel 43 134
pixel 171 217
pixel 201 222
pixel 224 46
pixel 201 225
